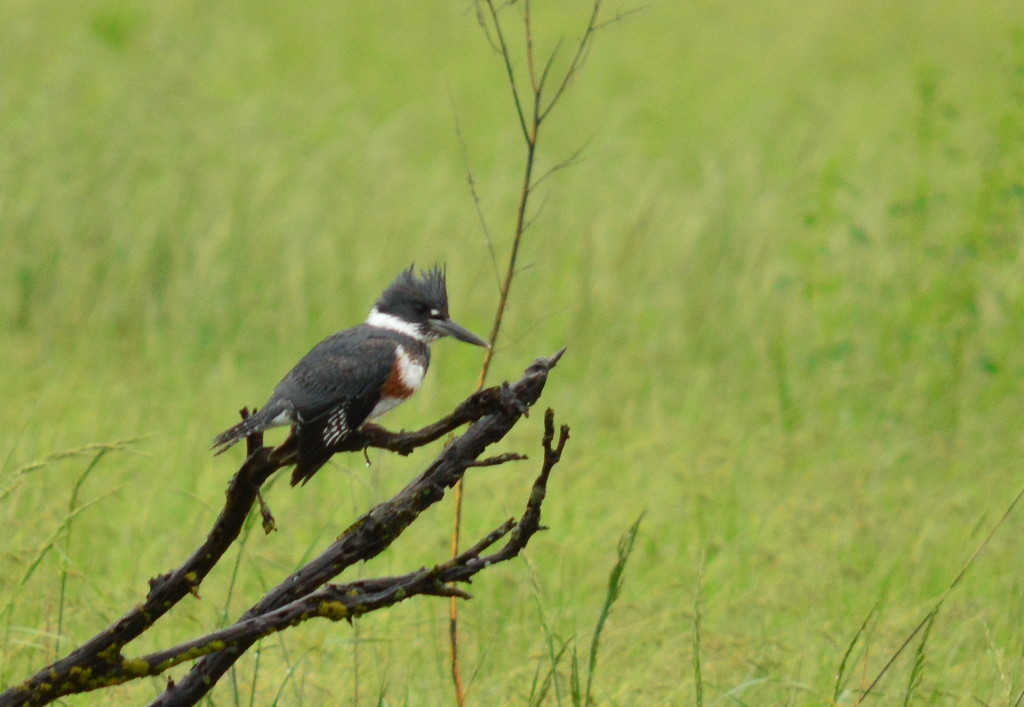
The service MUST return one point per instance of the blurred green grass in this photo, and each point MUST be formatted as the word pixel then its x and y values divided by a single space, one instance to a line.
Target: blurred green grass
pixel 788 273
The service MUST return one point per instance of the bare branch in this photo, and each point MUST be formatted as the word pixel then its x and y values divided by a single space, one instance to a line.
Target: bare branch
pixel 498 460
pixel 100 663
pixel 375 531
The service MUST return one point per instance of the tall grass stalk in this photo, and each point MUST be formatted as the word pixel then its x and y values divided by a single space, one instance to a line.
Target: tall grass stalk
pixel 255 674
pixel 841 673
pixel 242 541
pixel 62 535
pixel 14 478
pixel 615 582
pixel 926 622
pixel 282 647
pixel 580 694
pixel 554 652
pixel 292 667
pixel 917 670
pixel 698 677
pixel 575 686
pixel 49 544
pixel 72 506
pixel 532 108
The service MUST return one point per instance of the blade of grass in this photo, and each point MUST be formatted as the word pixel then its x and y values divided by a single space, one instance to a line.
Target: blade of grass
pixel 242 541
pixel 72 505
pixel 917 671
pixel 841 672
pixel 49 544
pixel 575 688
pixel 554 657
pixel 15 476
pixel 615 582
pixel 255 673
pixel 292 667
pixel 927 620
pixel 698 678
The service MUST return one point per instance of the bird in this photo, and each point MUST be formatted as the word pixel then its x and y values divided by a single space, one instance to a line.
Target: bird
pixel 359 373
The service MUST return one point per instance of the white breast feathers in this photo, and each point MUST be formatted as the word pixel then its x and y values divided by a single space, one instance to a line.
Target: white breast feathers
pixel 410 371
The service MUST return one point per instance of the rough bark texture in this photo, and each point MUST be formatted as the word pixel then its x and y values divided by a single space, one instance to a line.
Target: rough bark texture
pixel 100 661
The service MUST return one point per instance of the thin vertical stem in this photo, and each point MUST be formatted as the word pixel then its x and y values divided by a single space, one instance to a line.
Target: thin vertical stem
pixel 529 124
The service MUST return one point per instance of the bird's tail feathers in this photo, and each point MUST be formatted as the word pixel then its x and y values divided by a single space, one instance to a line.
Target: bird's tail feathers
pixel 257 422
pixel 315 449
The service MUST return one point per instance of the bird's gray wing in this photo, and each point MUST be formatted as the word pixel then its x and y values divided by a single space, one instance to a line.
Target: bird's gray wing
pixel 335 387
pixel 350 366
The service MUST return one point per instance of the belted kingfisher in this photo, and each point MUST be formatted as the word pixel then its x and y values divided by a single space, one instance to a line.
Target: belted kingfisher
pixel 359 373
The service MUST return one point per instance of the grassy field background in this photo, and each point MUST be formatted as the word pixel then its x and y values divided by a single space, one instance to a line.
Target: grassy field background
pixel 788 271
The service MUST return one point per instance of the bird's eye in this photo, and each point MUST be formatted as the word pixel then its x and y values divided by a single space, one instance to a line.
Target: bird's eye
pixel 420 309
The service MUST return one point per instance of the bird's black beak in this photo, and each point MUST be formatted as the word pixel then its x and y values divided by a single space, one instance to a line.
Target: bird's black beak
pixel 446 327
